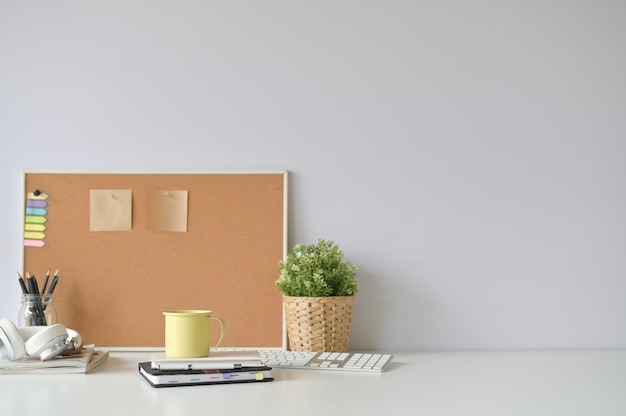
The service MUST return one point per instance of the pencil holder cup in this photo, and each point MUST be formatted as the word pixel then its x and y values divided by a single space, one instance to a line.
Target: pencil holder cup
pixel 37 310
pixel 188 333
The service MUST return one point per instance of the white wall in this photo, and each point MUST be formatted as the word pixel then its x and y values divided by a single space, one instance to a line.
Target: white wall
pixel 467 156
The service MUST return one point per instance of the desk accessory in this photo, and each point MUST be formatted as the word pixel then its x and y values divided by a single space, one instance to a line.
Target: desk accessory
pixel 35 219
pixel 318 288
pixel 83 361
pixel 236 233
pixel 43 342
pixel 188 333
pixel 339 361
pixel 217 360
pixel 37 308
pixel 173 378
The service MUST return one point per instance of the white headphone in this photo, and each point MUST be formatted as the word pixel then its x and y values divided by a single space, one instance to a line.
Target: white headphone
pixel 45 342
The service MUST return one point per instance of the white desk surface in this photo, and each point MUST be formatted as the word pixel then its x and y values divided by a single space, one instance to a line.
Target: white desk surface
pixel 418 383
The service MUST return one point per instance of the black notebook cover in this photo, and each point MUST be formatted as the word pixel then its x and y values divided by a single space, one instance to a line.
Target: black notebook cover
pixel 173 378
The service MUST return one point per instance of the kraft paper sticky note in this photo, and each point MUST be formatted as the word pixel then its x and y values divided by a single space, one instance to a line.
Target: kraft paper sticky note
pixel 167 211
pixel 110 210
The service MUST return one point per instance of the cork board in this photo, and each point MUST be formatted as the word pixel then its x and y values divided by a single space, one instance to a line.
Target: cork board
pixel 114 285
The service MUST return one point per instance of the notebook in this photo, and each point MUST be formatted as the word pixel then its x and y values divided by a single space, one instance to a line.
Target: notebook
pixel 218 360
pixel 172 378
pixel 82 361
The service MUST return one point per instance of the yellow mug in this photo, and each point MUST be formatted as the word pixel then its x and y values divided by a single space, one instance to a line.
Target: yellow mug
pixel 188 333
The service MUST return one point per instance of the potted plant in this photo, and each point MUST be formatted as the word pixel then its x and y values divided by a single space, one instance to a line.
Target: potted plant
pixel 318 287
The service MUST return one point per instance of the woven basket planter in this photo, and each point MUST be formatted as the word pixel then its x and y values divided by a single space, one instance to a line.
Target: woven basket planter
pixel 318 324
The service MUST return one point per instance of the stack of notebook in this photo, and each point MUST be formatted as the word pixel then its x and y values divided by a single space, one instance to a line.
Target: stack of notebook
pixel 81 361
pixel 221 367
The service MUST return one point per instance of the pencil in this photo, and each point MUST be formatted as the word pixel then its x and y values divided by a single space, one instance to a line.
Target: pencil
pixel 55 280
pixel 35 285
pixel 29 280
pixel 20 279
pixel 45 282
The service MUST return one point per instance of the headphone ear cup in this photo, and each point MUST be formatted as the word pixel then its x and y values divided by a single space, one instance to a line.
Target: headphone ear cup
pixel 12 344
pixel 47 342
pixel 78 340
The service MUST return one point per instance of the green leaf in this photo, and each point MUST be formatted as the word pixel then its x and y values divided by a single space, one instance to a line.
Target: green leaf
pixel 317 270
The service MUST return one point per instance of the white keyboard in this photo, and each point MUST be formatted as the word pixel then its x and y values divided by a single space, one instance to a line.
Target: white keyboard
pixel 342 361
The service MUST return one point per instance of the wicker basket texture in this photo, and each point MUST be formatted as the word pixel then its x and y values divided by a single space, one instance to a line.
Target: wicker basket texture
pixel 318 323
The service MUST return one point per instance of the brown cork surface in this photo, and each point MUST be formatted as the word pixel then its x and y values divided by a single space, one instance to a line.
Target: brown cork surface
pixel 114 285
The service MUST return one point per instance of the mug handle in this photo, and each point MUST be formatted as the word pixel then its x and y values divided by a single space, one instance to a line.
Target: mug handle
pixel 222 332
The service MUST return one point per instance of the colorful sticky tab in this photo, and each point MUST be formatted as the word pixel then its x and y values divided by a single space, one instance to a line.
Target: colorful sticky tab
pixel 259 376
pixel 36 211
pixel 34 243
pixel 34 227
pixel 35 219
pixel 34 235
pixel 39 197
pixel 36 204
